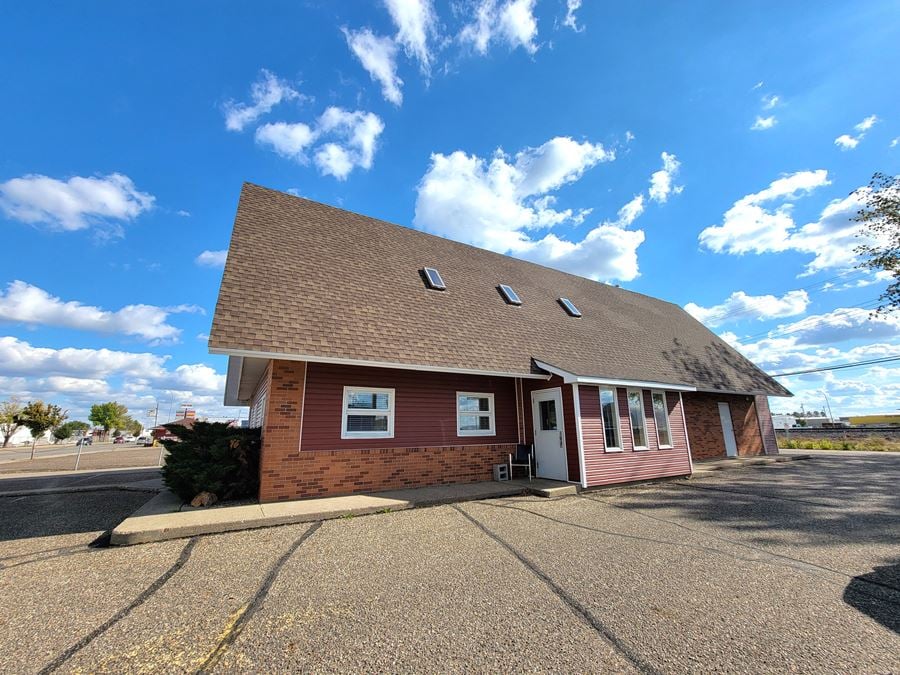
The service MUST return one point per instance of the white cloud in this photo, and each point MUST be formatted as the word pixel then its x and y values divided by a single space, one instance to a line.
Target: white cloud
pixel 763 223
pixel 378 55
pixel 212 258
pixel 359 132
pixel 73 204
pixel 497 203
pixel 848 142
pixel 183 213
pixel 416 22
pixel 353 141
pixel 895 142
pixel 742 307
pixel 24 303
pixel 763 123
pixel 661 181
pixel 769 101
pixel 288 140
pixel 571 21
pixel 76 378
pixel 267 92
pixel 203 337
pixel 511 22
pixel 866 124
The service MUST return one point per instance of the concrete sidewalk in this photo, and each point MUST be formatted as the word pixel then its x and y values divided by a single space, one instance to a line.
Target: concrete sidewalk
pixel 707 467
pixel 165 517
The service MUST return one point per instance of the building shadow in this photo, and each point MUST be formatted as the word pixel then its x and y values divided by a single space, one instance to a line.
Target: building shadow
pixel 877 595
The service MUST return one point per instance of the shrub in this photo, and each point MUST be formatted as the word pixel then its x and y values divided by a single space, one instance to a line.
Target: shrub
pixel 212 457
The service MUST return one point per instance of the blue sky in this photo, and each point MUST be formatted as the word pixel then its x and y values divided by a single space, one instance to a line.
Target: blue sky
pixel 701 153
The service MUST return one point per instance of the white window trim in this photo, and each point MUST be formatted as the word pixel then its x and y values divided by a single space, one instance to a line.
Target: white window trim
pixel 643 417
pixel 665 399
pixel 618 421
pixel 374 413
pixel 490 414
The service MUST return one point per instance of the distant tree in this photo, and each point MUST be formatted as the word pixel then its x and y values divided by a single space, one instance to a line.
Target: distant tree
pixel 40 418
pixel 69 429
pixel 132 426
pixel 10 423
pixel 108 416
pixel 801 422
pixel 880 232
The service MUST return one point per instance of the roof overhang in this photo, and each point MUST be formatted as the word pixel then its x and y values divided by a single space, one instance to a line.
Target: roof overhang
pixel 572 378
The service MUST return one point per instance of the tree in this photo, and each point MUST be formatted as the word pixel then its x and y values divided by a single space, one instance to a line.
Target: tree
pixel 133 427
pixel 10 423
pixel 69 429
pixel 108 416
pixel 880 234
pixel 40 418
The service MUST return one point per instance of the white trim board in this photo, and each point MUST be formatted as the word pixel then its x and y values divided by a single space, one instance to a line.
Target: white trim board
pixel 571 378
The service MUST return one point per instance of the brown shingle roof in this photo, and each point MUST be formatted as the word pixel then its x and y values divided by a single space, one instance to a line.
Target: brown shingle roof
pixel 307 279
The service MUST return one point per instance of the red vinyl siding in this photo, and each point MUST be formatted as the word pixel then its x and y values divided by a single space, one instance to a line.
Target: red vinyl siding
pixel 569 426
pixel 603 468
pixel 424 407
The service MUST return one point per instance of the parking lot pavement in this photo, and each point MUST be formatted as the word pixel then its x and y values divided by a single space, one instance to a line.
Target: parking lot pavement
pixel 791 567
pixel 116 457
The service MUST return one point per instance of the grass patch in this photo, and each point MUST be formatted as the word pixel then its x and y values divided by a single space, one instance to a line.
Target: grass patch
pixel 870 443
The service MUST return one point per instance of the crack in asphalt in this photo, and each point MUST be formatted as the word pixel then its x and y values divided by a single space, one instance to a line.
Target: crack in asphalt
pixel 125 611
pixel 238 620
pixel 574 605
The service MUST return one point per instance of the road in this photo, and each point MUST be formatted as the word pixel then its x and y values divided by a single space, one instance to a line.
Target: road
pixel 42 452
pixel 785 568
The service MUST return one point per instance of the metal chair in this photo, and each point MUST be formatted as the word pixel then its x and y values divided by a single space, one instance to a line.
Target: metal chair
pixel 524 457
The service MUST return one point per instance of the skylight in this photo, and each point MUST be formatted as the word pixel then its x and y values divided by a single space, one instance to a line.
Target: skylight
pixel 434 280
pixel 510 295
pixel 569 307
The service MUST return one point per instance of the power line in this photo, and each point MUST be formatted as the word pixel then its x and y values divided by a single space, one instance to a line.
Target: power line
pixel 840 366
pixel 806 324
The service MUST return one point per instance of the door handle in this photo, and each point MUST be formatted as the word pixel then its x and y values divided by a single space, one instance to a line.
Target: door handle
pixel 560 439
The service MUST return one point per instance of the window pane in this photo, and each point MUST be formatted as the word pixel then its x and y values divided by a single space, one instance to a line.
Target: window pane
pixel 367 423
pixel 368 400
pixel 474 404
pixel 610 419
pixel 661 415
pixel 474 423
pixel 636 412
pixel 548 415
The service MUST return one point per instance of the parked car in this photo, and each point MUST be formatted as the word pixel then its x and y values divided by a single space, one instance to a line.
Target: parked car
pixel 85 440
pixel 129 438
pixel 119 440
pixel 146 441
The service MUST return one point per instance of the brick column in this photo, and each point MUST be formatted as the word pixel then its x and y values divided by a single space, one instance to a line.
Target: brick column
pixel 279 462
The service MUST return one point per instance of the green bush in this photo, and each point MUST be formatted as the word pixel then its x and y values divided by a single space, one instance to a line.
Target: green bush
pixel 212 457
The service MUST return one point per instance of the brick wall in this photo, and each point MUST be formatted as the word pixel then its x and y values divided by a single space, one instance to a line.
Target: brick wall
pixel 281 431
pixel 705 428
pixel 287 472
pixel 320 473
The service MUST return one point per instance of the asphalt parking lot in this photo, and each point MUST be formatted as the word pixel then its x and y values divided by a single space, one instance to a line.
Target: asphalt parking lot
pixel 792 567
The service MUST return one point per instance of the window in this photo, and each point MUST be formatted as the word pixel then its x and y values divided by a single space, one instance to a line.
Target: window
pixel 547 411
pixel 510 295
pixel 661 415
pixel 636 413
pixel 368 413
pixel 609 407
pixel 569 307
pixel 433 277
pixel 474 414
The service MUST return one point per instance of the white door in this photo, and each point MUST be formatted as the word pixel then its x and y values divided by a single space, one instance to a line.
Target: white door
pixel 728 430
pixel 549 436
